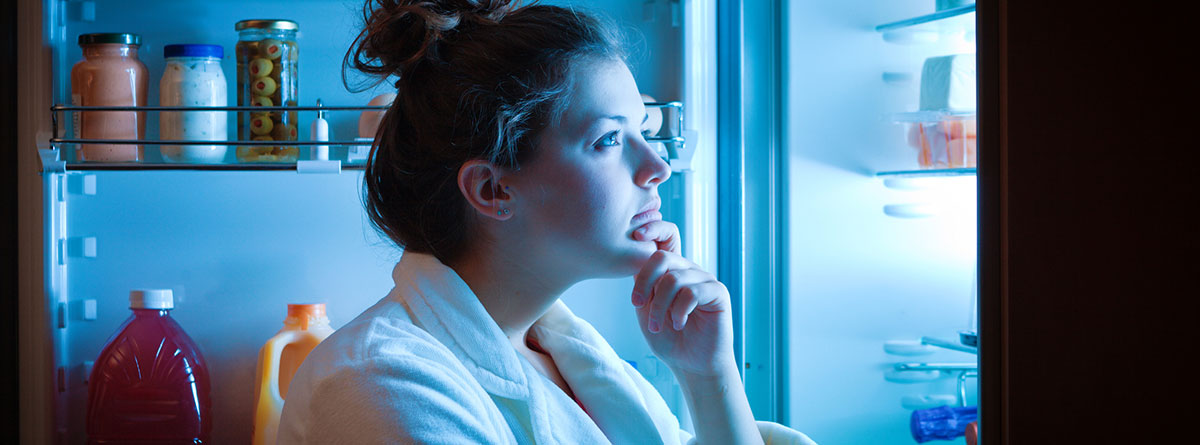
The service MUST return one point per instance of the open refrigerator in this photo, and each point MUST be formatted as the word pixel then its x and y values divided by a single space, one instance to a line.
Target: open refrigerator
pixel 873 252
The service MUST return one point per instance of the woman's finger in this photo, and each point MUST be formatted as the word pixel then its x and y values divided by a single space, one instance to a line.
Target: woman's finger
pixel 686 301
pixel 665 235
pixel 668 289
pixel 643 281
pixel 705 296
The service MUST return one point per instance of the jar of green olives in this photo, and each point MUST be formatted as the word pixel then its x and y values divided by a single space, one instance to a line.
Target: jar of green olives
pixel 267 76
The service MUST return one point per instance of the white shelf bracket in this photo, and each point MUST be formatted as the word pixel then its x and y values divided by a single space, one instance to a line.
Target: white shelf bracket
pixel 50 161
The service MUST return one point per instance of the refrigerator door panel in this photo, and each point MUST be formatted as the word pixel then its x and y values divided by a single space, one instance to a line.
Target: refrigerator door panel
pixel 236 247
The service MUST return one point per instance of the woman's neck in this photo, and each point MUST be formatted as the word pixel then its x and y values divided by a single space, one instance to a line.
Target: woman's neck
pixel 514 291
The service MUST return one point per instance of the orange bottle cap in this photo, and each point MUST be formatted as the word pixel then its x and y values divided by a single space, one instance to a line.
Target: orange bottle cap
pixel 305 314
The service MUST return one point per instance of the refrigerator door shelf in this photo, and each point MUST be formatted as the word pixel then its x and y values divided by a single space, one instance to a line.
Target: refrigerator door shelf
pixel 907 348
pixel 946 21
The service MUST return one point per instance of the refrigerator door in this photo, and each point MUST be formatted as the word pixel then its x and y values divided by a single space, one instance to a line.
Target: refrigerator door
pixel 236 246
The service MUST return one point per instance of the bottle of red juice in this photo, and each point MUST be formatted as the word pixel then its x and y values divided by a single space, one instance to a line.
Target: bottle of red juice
pixel 149 384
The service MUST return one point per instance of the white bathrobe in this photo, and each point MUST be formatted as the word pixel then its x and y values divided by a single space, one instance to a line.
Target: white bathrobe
pixel 427 364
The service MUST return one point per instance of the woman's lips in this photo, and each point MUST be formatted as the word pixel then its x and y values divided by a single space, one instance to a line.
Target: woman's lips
pixel 645 217
pixel 649 212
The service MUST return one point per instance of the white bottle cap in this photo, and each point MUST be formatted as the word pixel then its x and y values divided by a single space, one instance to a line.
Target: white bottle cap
pixel 151 299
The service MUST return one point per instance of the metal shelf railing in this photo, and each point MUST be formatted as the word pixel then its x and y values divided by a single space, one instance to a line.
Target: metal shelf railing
pixel 672 141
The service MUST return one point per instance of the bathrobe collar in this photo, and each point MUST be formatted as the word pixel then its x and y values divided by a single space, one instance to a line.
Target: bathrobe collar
pixel 442 303
pixel 625 410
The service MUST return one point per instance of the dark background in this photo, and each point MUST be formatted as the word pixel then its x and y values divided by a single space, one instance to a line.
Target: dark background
pixel 1093 242
pixel 8 223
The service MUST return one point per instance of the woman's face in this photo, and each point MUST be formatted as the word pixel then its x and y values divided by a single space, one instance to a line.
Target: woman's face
pixel 593 180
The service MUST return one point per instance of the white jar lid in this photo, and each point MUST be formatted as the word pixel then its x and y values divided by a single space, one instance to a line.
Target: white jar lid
pixel 151 299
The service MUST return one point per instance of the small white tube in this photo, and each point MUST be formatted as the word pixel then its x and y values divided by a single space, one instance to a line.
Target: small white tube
pixel 320 132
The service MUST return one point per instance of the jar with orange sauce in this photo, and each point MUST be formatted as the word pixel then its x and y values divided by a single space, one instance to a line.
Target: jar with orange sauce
pixel 110 74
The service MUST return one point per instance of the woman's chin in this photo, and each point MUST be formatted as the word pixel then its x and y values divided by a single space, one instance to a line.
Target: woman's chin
pixel 637 256
pixel 624 260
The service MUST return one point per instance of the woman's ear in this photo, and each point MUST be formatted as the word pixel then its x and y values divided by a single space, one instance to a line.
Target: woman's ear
pixel 479 182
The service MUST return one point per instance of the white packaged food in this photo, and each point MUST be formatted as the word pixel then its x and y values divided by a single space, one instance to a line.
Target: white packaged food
pixel 193 78
pixel 948 83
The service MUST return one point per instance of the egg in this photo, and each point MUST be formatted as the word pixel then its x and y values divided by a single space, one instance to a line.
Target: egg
pixel 654 119
pixel 369 120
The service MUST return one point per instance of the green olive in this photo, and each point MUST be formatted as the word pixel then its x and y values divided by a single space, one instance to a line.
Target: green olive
pixel 260 67
pixel 284 132
pixel 261 125
pixel 270 48
pixel 262 101
pixel 262 138
pixel 263 86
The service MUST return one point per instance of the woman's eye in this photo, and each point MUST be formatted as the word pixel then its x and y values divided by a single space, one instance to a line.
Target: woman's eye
pixel 610 140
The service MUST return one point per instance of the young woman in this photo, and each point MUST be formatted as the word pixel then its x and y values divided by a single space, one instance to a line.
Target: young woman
pixel 512 166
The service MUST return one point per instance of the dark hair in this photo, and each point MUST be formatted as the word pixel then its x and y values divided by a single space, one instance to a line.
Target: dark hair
pixel 477 79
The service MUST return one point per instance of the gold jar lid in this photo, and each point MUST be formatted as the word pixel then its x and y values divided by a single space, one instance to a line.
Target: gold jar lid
pixel 286 25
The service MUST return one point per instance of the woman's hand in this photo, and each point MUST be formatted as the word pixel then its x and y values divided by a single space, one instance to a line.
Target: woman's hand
pixel 683 311
pixel 685 315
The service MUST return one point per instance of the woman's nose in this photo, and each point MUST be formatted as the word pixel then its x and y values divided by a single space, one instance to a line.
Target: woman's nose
pixel 651 169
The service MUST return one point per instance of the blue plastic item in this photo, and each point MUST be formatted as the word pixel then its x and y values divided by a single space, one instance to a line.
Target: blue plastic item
pixel 941 423
pixel 193 50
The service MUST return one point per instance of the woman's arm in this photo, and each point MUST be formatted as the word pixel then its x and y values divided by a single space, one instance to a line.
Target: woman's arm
pixel 720 412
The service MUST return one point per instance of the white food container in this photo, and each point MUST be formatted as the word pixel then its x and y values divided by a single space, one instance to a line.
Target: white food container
pixel 193 78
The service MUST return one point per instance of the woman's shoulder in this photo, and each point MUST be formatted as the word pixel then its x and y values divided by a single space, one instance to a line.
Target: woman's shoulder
pixel 380 378
pixel 384 335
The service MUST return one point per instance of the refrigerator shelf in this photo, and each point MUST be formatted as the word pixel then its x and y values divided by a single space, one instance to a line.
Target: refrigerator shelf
pixel 931 116
pixel 940 16
pixel 927 173
pixel 929 27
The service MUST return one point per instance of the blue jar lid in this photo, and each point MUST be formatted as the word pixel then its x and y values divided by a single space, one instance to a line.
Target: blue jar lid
pixel 192 50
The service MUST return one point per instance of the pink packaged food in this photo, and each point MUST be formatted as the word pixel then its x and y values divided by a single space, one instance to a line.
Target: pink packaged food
pixel 949 143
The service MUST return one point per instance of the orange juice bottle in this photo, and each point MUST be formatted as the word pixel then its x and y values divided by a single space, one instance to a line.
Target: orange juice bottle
pixel 305 326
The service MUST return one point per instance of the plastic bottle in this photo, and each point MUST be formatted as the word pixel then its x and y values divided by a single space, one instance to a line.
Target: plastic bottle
pixel 320 132
pixel 150 383
pixel 943 422
pixel 304 328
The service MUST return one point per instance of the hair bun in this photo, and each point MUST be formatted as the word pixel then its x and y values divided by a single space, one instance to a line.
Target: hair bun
pixel 486 10
pixel 398 35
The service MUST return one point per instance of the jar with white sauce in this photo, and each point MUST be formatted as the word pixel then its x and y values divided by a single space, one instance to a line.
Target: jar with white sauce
pixel 193 78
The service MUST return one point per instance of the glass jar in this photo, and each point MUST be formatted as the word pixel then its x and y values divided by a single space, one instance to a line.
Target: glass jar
pixel 110 74
pixel 193 78
pixel 267 76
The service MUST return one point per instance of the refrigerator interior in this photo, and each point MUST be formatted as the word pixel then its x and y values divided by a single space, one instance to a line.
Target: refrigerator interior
pixel 237 246
pixel 870 260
